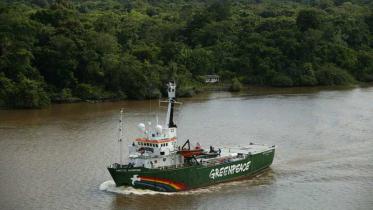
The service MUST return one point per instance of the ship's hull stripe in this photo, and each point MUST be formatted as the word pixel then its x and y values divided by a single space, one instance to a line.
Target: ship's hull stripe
pixel 164 182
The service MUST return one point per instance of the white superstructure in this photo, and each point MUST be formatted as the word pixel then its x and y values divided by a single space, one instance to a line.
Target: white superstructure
pixel 158 147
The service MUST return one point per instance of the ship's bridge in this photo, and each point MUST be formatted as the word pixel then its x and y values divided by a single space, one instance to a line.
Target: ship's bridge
pixel 156 142
pixel 154 151
pixel 159 139
pixel 161 142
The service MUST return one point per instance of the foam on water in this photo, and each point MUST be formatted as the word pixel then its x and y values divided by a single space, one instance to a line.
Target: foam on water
pixel 109 186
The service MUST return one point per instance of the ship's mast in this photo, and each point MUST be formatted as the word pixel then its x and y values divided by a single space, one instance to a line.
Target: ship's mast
pixel 120 140
pixel 171 100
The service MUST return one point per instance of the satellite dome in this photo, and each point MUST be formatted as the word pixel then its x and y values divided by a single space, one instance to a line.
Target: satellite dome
pixel 158 128
pixel 141 127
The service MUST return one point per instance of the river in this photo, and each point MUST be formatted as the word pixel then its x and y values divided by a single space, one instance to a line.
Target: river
pixel 56 158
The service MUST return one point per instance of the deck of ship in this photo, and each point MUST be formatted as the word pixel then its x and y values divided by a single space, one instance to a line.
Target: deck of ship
pixel 232 154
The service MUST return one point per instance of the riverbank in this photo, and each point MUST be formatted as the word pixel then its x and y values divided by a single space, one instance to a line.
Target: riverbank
pixel 216 87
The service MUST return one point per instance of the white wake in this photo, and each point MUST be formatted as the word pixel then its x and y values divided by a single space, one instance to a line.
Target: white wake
pixel 109 186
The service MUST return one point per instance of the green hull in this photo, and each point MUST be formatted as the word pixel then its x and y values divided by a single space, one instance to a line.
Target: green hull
pixel 185 178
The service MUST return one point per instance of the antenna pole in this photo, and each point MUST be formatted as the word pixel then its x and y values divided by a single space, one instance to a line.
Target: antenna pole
pixel 120 137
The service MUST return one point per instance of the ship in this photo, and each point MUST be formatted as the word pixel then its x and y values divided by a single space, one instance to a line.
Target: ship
pixel 156 162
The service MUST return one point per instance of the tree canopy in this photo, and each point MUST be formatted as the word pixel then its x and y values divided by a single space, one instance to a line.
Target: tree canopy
pixel 54 50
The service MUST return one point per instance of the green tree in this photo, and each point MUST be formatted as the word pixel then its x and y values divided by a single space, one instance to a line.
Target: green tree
pixel 308 18
pixel 329 74
pixel 7 90
pixel 29 94
pixel 281 80
pixel 236 85
pixel 59 68
pixel 219 10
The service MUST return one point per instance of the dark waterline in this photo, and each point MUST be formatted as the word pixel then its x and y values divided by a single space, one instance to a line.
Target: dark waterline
pixel 55 158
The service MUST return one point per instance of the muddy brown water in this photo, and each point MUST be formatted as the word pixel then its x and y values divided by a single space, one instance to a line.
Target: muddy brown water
pixel 56 158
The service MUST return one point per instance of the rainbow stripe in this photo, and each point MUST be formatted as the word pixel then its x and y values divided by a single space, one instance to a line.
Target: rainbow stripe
pixel 160 184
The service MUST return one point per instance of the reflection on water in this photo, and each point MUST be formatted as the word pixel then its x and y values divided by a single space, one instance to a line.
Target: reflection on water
pixel 56 158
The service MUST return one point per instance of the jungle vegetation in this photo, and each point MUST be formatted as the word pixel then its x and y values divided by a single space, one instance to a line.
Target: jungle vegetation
pixel 62 50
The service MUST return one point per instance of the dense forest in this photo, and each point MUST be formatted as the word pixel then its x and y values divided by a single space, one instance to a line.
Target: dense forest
pixel 61 50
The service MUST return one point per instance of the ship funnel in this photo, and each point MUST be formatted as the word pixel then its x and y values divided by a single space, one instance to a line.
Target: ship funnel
pixel 171 100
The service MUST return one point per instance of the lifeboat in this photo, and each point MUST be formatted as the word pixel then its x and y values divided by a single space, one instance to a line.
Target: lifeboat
pixel 188 152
